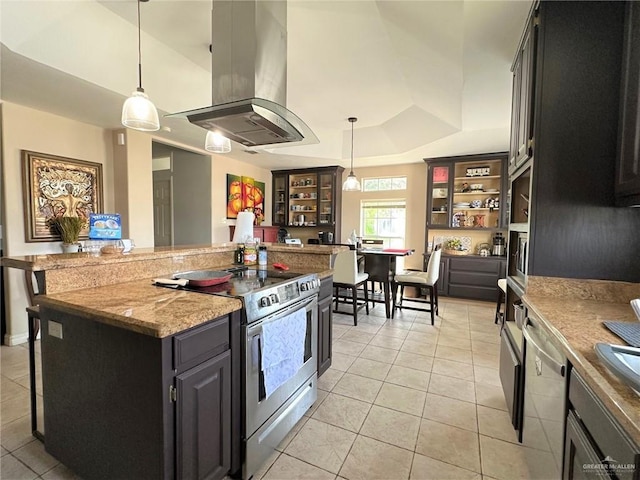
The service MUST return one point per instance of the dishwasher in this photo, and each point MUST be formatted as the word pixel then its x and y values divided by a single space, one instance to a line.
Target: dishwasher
pixel 544 395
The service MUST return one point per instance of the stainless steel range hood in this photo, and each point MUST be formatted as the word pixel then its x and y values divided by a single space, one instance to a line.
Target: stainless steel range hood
pixel 249 69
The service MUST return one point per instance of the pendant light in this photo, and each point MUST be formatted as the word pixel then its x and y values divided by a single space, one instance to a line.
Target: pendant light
pixel 138 112
pixel 351 184
pixel 215 142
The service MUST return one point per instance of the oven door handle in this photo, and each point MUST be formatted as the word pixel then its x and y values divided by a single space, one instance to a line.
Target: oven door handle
pixel 548 359
pixel 255 352
pixel 292 308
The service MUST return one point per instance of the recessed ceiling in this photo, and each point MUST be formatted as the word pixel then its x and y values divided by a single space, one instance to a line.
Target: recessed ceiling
pixel 424 78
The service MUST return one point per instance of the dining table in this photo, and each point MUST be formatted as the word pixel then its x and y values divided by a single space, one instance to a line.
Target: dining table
pixel 380 264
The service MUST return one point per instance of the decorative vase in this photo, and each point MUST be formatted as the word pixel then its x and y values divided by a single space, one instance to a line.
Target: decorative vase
pixel 70 247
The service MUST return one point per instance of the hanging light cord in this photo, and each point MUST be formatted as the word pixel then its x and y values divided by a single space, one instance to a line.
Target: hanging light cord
pixel 351 148
pixel 140 89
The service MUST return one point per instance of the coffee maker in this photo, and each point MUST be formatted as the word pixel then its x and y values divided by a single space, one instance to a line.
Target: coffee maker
pixel 498 248
pixel 326 238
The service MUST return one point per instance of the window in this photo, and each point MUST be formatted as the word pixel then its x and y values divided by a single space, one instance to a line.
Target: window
pixel 386 183
pixel 385 220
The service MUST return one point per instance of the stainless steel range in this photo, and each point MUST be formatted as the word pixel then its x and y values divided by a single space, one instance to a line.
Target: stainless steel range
pixel 281 322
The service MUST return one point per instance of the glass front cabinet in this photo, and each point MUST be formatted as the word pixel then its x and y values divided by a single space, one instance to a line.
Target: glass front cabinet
pixel 466 192
pixel 308 198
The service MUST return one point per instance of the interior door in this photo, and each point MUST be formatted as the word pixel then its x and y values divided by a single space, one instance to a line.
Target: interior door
pixel 162 209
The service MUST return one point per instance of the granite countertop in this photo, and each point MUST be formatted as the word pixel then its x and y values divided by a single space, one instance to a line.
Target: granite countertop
pixel 576 323
pixel 142 307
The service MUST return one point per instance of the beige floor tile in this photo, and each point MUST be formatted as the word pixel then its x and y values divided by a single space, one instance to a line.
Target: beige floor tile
pixel 423 337
pixel 60 472
pixel 360 388
pixel 369 368
pixel 3 452
pixel 455 330
pixel 292 433
pixel 371 459
pixel 425 327
pixel 355 336
pixel 344 320
pixel 451 411
pixel 367 328
pixel 452 387
pixel 15 434
pixel 400 323
pixel 322 445
pixel 344 412
pixel 341 361
pixel 265 466
pixel 506 461
pixel 393 331
pixel 454 354
pixel 478 346
pixel 13 469
pixel 10 389
pixel 16 407
pixel 14 361
pixel 401 398
pixel 339 330
pixel 414 360
pixel 329 379
pixel 390 426
pixel 487 376
pixel 490 396
pixel 426 468
pixel 25 381
pixel 289 468
pixel 491 360
pixel 454 341
pixel 408 377
pixel 496 424
pixel 34 456
pixel 421 348
pixel 379 354
pixel 449 444
pixel 347 347
pixel 384 341
pixel 463 371
pixel 493 338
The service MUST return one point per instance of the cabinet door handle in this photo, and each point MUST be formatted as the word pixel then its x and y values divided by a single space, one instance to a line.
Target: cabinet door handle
pixel 548 359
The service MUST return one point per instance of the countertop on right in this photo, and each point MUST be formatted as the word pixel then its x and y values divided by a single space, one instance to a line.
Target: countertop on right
pixel 573 311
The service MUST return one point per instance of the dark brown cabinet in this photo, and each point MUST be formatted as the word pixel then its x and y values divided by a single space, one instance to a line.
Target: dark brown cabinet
pixel 522 98
pixel 309 198
pixel 627 184
pixel 203 419
pixel 511 377
pixel 325 327
pixel 121 404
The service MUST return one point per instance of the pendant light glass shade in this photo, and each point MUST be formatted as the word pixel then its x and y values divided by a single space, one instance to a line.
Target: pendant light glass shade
pixel 138 112
pixel 217 143
pixel 351 184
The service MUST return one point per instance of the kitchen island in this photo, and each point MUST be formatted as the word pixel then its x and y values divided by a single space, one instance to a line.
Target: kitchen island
pixel 141 381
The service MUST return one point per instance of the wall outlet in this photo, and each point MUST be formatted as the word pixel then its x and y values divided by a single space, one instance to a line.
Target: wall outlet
pixel 55 329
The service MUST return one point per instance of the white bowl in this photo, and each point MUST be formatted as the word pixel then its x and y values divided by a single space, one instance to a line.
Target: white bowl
pixel 476 186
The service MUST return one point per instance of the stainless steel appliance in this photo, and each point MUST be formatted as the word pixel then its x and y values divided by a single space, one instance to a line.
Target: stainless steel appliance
pixel 544 398
pixel 270 296
pixel 326 237
pixel 520 256
pixel 498 248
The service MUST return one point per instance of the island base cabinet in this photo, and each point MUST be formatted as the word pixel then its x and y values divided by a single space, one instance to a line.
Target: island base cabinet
pixel 325 325
pixel 203 403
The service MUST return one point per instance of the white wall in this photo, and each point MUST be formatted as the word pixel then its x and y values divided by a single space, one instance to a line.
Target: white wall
pixel 27 129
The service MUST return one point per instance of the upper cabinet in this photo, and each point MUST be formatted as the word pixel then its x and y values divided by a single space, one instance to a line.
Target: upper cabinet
pixel 310 197
pixel 627 183
pixel 466 192
pixel 522 97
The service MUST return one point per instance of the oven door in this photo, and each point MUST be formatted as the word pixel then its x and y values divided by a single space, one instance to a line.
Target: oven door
pixel 259 408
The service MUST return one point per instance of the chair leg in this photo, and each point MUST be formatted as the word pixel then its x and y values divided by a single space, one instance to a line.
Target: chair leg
pixel 435 293
pixel 432 305
pixel 366 299
pixel 387 299
pixel 394 295
pixel 354 301
pixel 499 303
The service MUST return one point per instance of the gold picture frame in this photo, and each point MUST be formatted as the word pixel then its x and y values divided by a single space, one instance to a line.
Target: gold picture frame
pixel 54 186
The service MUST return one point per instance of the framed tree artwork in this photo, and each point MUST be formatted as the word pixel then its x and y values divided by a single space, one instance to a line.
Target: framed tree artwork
pixel 58 186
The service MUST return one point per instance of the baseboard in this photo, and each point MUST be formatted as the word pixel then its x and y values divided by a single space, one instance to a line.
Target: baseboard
pixel 12 340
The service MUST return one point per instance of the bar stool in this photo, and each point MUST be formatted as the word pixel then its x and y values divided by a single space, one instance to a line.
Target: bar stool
pixel 347 277
pixel 427 280
pixel 502 291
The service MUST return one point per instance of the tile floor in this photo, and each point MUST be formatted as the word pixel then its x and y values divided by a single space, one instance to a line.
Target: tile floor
pixel 402 400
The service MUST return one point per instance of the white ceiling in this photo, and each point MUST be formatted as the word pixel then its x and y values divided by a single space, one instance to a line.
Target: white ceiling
pixel 424 78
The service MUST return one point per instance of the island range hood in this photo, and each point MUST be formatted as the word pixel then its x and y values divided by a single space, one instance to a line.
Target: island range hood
pixel 249 69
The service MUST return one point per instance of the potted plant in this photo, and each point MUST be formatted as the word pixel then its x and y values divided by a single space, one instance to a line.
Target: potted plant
pixel 69 229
